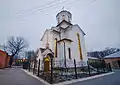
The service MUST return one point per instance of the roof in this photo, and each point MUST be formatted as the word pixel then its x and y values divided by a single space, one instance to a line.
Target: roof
pixel 64 11
pixel 42 50
pixel 43 34
pixel 2 51
pixel 79 28
pixel 114 55
pixel 47 30
pixel 47 51
pixel 62 22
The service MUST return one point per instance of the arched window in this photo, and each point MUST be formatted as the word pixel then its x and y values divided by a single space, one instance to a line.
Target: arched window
pixel 55 44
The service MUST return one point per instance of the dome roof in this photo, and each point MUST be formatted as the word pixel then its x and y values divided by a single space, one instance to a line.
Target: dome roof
pixel 63 11
pixel 64 15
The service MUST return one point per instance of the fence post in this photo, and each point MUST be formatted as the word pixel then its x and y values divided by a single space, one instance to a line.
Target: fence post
pixel 75 69
pixel 97 67
pixel 104 65
pixel 29 66
pixel 51 71
pixel 38 67
pixel 109 67
pixel 88 68
pixel 34 68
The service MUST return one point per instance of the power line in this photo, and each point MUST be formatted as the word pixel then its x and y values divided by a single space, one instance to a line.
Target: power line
pixel 50 6
pixel 44 7
pixel 39 6
pixel 54 5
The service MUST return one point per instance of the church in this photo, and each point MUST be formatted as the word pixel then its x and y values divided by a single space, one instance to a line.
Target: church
pixel 65 42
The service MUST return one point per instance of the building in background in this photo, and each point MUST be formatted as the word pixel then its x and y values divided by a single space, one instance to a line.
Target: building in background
pixel 4 59
pixel 65 42
pixel 93 59
pixel 113 59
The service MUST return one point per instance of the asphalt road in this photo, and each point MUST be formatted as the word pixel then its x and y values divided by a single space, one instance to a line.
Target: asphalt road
pixel 15 76
pixel 113 79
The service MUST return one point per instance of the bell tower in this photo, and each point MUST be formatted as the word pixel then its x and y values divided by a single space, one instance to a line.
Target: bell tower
pixel 64 15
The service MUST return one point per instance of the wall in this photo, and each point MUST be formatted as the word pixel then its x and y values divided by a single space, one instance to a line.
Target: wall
pixel 75 50
pixel 41 59
pixel 2 59
pixel 113 62
pixel 71 33
pixel 7 61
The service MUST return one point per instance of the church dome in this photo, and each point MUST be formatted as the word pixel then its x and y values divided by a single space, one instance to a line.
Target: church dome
pixel 64 15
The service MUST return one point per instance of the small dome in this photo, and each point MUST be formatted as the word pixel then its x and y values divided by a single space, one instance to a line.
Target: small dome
pixel 64 15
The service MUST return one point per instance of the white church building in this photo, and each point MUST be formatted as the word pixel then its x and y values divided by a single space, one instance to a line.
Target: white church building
pixel 65 42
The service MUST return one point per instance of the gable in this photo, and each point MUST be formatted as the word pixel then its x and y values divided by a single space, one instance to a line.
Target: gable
pixel 76 25
pixel 47 51
pixel 63 23
pixel 43 35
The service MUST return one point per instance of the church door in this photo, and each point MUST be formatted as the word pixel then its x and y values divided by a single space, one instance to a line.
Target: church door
pixel 47 64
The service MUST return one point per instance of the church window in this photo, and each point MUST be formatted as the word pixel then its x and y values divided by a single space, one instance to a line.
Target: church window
pixel 69 53
pixel 55 44
pixel 63 17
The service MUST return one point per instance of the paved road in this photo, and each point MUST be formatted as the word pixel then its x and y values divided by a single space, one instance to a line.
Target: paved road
pixel 113 79
pixel 15 76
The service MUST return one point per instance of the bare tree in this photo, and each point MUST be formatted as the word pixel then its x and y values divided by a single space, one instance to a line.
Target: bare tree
pixel 15 45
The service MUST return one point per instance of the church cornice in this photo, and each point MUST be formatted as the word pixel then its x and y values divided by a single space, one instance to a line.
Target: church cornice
pixel 64 39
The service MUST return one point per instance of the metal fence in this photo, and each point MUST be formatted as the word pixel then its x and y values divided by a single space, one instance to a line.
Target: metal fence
pixel 58 72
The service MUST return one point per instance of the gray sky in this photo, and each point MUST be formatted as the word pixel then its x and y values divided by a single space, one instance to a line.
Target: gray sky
pixel 99 19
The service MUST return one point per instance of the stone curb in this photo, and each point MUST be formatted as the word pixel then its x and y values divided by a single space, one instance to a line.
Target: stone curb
pixel 84 79
pixel 67 82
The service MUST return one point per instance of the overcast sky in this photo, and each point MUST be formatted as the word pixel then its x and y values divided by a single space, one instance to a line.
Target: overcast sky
pixel 99 19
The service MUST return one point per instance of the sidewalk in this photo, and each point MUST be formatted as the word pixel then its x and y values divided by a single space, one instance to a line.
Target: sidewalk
pixel 15 76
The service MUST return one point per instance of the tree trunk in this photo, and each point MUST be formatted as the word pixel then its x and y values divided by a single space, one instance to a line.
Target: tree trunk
pixel 11 61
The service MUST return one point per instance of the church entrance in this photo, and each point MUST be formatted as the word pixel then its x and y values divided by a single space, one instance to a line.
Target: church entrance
pixel 47 61
pixel 47 64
